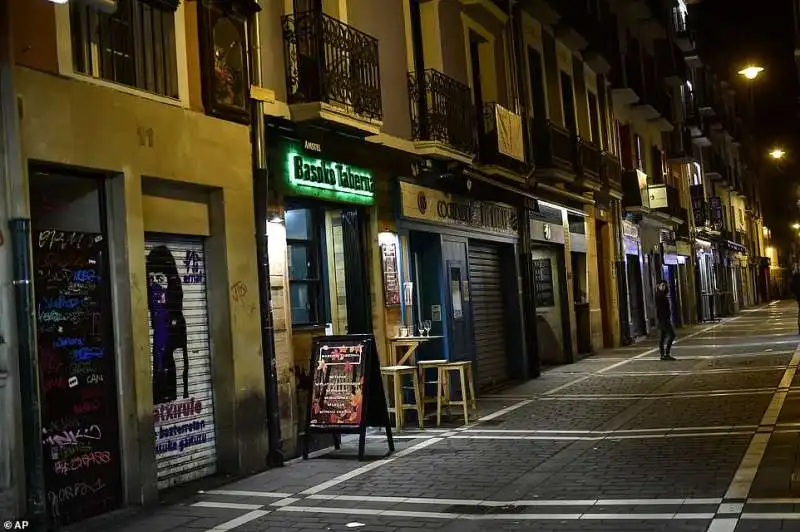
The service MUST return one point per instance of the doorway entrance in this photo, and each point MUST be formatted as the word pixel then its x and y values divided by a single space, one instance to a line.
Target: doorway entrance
pixel 75 345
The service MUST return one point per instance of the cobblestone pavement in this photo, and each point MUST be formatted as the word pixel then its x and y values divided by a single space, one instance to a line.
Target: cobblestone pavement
pixel 620 441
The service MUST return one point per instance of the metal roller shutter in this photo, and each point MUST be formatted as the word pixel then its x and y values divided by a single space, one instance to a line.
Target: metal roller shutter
pixel 183 409
pixel 488 311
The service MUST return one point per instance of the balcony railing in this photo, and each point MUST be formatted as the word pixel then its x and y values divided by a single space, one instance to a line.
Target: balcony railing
pixel 441 110
pixel 555 146
pixel 589 160
pixel 611 171
pixel 500 138
pixel 330 62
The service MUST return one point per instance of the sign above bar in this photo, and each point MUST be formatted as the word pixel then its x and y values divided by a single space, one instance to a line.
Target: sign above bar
pixel 306 175
pixel 432 205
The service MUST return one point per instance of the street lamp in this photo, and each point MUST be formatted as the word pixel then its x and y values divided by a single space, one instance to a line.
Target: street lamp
pixel 776 154
pixel 795 226
pixel 751 71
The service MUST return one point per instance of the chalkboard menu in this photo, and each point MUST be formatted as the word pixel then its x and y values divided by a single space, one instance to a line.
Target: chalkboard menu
pixel 347 391
pixel 76 375
pixel 543 280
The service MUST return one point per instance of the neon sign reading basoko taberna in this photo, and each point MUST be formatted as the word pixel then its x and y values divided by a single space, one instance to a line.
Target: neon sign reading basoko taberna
pixel 329 180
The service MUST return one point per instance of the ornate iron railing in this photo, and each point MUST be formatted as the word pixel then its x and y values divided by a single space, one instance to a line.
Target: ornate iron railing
pixel 589 159
pixel 554 146
pixel 441 110
pixel 331 62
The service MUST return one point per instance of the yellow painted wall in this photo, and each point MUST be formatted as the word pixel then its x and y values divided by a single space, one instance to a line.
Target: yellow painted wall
pixel 95 128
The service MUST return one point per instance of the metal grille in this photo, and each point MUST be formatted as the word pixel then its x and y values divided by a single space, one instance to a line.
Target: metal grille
pixel 441 110
pixel 135 46
pixel 193 431
pixel 488 311
pixel 329 61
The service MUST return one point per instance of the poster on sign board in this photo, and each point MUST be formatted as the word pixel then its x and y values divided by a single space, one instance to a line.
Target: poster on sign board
pixel 346 390
pixel 183 408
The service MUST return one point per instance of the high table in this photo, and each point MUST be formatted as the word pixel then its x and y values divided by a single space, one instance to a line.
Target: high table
pixel 410 344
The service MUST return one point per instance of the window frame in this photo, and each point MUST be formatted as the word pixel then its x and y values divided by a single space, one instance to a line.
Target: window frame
pixel 314 242
pixel 67 69
pixel 210 12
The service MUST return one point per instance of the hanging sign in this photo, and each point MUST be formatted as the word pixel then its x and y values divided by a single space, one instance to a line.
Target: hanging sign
pixel 347 390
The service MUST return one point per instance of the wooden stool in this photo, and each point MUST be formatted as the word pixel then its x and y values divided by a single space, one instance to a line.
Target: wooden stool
pixel 464 370
pixel 424 365
pixel 400 406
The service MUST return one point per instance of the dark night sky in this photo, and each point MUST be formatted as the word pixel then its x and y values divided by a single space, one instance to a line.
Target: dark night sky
pixel 734 33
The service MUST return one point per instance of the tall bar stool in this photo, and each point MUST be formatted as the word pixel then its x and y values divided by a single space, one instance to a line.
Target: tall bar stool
pixel 424 366
pixel 464 370
pixel 397 373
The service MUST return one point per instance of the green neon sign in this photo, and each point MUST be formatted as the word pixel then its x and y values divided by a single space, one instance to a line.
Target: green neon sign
pixel 307 176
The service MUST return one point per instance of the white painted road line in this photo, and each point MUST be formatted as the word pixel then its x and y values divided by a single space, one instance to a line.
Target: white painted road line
pixel 748 468
pixel 535 502
pixel 240 493
pixel 239 521
pixel 499 517
pixel 228 505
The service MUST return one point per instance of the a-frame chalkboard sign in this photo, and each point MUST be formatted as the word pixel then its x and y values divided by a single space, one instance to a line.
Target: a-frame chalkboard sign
pixel 347 391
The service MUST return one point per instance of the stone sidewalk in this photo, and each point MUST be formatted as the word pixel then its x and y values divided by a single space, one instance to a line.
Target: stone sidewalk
pixel 618 441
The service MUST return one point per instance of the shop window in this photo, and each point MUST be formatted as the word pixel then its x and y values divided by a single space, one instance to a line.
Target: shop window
pixel 134 46
pixel 305 284
pixel 317 276
pixel 224 57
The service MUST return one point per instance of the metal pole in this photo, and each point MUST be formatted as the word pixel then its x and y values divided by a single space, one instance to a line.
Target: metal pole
pixel 16 205
pixel 261 192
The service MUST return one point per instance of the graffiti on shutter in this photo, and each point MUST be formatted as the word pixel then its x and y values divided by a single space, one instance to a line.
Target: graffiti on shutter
pixel 180 359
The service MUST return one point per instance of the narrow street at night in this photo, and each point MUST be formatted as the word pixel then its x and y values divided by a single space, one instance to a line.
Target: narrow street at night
pixel 620 441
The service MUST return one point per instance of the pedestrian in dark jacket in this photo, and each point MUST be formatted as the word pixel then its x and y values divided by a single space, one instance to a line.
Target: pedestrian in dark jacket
pixel 664 316
pixel 796 292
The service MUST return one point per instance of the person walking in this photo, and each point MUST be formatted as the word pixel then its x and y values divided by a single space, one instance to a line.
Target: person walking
pixel 796 291
pixel 664 316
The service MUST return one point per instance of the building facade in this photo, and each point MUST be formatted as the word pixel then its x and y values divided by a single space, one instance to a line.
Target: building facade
pixel 206 186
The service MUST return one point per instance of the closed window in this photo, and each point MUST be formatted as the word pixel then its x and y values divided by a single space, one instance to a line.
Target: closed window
pixel 134 46
pixel 305 282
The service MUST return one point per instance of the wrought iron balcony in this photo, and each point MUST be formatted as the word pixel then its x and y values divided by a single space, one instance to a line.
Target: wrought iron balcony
pixel 611 171
pixel 589 162
pixel 441 110
pixel 329 62
pixel 500 139
pixel 681 30
pixel 554 146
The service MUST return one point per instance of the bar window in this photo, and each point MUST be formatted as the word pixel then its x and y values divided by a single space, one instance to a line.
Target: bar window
pixel 305 281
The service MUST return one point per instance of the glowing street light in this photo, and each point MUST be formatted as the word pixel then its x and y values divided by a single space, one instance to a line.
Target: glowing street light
pixel 777 153
pixel 795 226
pixel 751 72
